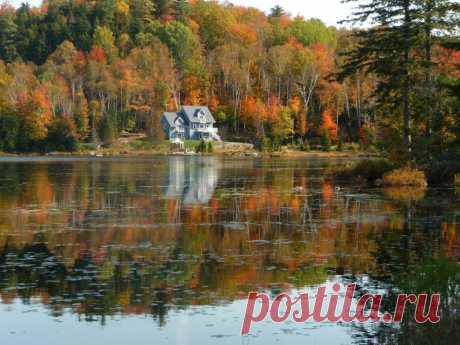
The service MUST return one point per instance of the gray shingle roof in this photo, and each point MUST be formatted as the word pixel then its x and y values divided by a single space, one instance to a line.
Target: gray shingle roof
pixel 170 118
pixel 191 112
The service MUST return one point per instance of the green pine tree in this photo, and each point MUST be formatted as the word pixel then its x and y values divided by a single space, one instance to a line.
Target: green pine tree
pixel 386 49
pixel 8 32
pixel 277 11
pixel 181 8
pixel 326 140
pixel 162 7
pixel 397 49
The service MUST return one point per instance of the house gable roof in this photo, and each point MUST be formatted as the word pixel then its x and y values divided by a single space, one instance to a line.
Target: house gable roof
pixel 170 118
pixel 192 114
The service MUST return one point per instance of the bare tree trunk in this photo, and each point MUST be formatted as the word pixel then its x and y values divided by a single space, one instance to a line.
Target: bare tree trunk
pixel 358 102
pixel 428 60
pixel 337 121
pixel 407 83
pixel 306 91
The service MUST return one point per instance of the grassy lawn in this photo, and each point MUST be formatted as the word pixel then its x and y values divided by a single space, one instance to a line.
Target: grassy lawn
pixel 191 145
pixel 144 144
pixel 137 145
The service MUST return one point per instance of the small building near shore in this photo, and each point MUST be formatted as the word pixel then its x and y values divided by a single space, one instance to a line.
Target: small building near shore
pixel 190 123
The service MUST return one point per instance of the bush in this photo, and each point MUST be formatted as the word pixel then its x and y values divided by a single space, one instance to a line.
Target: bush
pixel 369 170
pixel 276 145
pixel 457 180
pixel 354 147
pixel 373 149
pixel 305 146
pixel 405 177
pixel 191 145
pixel 367 137
pixel 82 147
pixel 326 140
pixel 62 135
pixel 340 144
pixel 9 131
pixel 264 145
pixel 444 170
pixel 108 131
pixel 210 147
pixel 128 121
pixel 202 147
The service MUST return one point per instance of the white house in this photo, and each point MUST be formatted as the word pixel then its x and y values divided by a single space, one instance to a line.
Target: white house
pixel 190 123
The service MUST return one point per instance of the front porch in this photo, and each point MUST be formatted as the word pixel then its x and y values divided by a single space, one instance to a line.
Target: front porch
pixel 208 134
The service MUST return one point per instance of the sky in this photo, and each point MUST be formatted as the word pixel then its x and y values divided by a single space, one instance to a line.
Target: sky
pixel 329 11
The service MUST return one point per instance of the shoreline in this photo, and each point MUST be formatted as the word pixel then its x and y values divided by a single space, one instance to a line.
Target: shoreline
pixel 242 154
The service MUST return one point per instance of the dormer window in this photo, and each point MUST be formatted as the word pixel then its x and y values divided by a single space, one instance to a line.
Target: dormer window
pixel 202 116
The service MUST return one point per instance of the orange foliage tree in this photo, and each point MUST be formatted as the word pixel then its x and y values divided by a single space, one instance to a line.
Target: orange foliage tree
pixel 328 123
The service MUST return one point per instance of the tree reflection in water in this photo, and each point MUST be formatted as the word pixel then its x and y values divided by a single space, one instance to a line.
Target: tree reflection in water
pixel 148 236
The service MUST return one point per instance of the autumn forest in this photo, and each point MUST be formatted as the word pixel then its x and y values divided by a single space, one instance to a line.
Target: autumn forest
pixel 86 71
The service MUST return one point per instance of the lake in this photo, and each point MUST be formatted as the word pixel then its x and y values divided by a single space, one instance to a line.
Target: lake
pixel 164 250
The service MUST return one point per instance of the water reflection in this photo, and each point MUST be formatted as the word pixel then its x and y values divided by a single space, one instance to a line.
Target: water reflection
pixel 164 236
pixel 192 179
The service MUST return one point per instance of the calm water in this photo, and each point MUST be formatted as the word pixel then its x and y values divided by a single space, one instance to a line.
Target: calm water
pixel 164 250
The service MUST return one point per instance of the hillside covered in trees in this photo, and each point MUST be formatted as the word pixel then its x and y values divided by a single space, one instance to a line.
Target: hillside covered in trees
pixel 84 71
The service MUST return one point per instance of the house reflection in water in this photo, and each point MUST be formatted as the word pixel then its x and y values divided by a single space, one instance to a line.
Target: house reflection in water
pixel 192 179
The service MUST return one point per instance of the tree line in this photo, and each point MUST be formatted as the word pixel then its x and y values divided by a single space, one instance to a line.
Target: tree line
pixel 88 70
